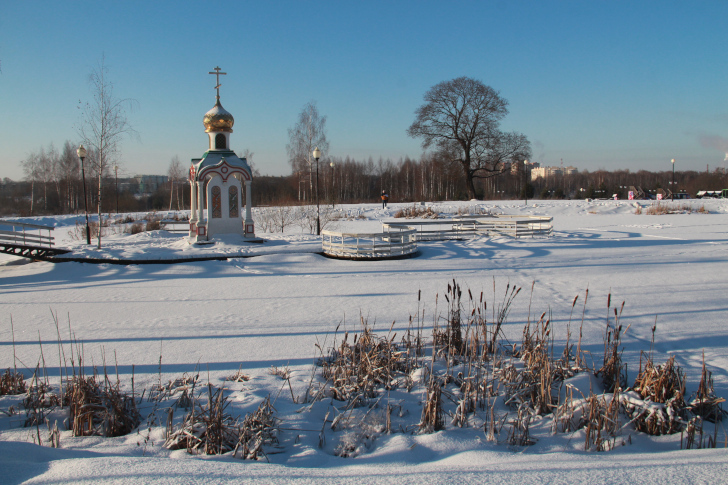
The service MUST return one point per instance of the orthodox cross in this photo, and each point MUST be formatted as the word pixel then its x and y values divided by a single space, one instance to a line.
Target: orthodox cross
pixel 217 74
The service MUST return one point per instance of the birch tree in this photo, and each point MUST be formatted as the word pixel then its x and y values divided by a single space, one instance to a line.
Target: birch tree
pixel 308 133
pixel 175 173
pixel 103 127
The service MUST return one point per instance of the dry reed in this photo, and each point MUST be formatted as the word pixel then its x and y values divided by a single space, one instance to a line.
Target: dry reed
pixel 12 383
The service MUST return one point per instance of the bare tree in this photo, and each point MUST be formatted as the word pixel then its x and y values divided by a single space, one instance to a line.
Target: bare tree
pixel 31 172
pixel 462 117
pixel 282 215
pixel 248 156
pixel 103 127
pixel 69 170
pixel 175 174
pixel 38 168
pixel 308 133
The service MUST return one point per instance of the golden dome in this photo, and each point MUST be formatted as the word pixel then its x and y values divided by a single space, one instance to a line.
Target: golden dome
pixel 218 119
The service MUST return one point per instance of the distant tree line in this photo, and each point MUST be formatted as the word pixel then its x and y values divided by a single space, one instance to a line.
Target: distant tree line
pixel 605 184
pixel 52 184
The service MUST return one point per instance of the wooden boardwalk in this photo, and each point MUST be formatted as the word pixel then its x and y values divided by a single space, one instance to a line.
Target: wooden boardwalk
pixel 28 240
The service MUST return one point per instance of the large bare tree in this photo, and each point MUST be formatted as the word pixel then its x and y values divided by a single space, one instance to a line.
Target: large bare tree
pixel 462 117
pixel 103 127
pixel 308 133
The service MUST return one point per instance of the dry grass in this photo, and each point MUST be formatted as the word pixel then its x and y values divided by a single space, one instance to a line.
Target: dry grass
pixel 535 389
pixel 282 372
pixel 432 416
pixel 662 389
pixel 135 228
pixel 661 208
pixel 100 407
pixel 415 211
pixel 356 370
pixel 613 372
pixel 360 429
pixel 12 382
pixel 38 401
pixel 657 209
pixel 468 367
pixel 706 404
pixel 472 210
pixel 466 375
pixel 181 389
pixel 239 376
pixel 601 422
pixel 210 430
pixel 519 434
pixel 151 222
pixel 258 429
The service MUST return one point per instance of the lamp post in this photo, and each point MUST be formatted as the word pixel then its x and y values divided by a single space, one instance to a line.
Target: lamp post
pixel 672 193
pixel 116 182
pixel 525 178
pixel 81 152
pixel 316 156
pixel 333 186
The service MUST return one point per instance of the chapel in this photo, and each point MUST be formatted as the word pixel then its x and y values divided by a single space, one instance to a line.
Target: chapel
pixel 217 180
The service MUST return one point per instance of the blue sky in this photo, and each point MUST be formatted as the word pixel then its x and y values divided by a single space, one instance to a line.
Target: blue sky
pixel 601 85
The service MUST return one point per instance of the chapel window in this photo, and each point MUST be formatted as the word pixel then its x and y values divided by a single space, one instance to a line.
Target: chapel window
pixel 216 203
pixel 233 201
pixel 220 141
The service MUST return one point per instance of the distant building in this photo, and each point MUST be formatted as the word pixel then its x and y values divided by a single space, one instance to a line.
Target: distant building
pixel 526 165
pixel 546 172
pixel 148 184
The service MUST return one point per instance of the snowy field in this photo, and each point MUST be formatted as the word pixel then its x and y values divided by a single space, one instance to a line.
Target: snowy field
pixel 270 310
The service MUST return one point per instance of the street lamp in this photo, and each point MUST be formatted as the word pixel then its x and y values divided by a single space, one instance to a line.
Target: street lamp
pixel 81 152
pixel 116 180
pixel 672 193
pixel 525 178
pixel 316 156
pixel 333 186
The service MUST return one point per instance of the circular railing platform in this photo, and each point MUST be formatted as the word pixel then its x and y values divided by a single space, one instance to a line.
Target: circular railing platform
pixel 370 246
pixel 399 239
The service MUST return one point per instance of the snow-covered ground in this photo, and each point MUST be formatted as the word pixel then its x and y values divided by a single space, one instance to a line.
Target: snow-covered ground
pixel 214 317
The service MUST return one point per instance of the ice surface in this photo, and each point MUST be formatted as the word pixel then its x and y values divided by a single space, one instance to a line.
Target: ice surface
pixel 271 310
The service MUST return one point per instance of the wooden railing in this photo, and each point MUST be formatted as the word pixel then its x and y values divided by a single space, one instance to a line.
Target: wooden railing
pixel 24 234
pixel 27 240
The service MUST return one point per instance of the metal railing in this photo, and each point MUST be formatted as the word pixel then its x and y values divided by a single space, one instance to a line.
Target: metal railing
pixel 491 225
pixel 400 239
pixel 181 227
pixel 437 230
pixel 384 245
pixel 512 226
